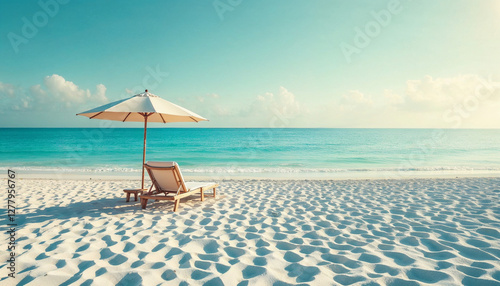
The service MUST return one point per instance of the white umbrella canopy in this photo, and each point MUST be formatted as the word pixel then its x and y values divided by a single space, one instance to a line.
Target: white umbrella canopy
pixel 143 107
pixel 140 105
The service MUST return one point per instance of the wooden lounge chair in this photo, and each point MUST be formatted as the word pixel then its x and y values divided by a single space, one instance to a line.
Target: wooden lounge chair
pixel 168 184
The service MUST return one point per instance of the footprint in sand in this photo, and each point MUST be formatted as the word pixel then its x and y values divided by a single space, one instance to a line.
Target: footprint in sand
pixel 108 240
pixel 471 281
pixel 427 276
pixel 209 257
pixel 442 255
pixel 172 252
pixel 199 274
pixel 118 259
pixel 279 236
pixel 383 246
pixel 234 252
pixel 369 258
pixel 211 247
pixel 158 247
pixel 106 253
pixel 478 243
pixel 85 265
pixel 60 264
pixel 340 246
pixel 400 259
pixel 341 260
pixel 205 221
pixel 32 268
pixel 443 265
pixel 292 257
pixel 185 261
pixel 83 247
pixel 410 241
pixel 157 265
pixel 483 265
pixel 26 280
pixel 433 245
pixel 260 261
pixel 348 280
pixel 489 232
pixel 283 245
pixel 214 282
pixel 137 264
pixel 471 271
pixel 130 279
pixel 303 273
pixel 128 247
pixel 221 268
pixel 401 282
pixel 262 251
pixel 339 269
pixel 168 275
pixel 471 253
pixel 296 240
pixel 253 271
pixel 41 256
pixel 144 239
pixel 53 246
pixel 381 268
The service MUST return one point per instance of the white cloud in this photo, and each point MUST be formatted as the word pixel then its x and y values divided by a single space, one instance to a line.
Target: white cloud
pixel 55 92
pixel 467 101
pixel 69 93
pixel 355 97
pixel 392 97
pixel 438 93
pixel 283 105
pixel 463 101
pixel 268 110
pixel 100 94
pixel 7 89
pixel 209 106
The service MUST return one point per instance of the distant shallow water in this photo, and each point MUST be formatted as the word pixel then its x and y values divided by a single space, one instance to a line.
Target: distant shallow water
pixel 259 152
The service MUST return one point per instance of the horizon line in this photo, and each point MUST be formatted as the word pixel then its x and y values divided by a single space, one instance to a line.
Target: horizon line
pixel 430 128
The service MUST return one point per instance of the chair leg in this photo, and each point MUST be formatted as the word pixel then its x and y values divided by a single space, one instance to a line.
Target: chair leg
pixel 176 205
pixel 214 192
pixel 144 202
pixel 128 197
pixel 202 196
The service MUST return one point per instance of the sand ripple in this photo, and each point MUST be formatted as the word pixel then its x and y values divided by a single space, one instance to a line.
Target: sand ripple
pixel 258 232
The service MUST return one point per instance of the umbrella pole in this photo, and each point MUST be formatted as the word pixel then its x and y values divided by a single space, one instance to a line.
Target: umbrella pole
pixel 144 150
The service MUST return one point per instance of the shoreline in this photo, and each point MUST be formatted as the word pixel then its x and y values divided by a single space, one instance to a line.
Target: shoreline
pixel 339 176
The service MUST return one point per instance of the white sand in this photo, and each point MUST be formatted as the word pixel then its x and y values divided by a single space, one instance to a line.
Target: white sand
pixel 378 232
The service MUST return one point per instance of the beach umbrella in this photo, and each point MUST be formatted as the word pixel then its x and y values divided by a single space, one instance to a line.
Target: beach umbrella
pixel 143 107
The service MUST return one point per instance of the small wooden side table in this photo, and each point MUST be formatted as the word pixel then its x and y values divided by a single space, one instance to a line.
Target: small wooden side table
pixel 136 192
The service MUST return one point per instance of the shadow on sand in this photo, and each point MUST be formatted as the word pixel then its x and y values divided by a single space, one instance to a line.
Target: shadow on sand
pixel 91 209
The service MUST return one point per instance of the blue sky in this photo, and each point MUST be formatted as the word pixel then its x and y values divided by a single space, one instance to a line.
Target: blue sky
pixel 283 63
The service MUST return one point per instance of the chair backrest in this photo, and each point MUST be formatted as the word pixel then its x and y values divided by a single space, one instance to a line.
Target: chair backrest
pixel 166 176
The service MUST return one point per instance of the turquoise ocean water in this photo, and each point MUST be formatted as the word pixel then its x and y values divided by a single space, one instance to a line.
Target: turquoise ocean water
pixel 253 151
